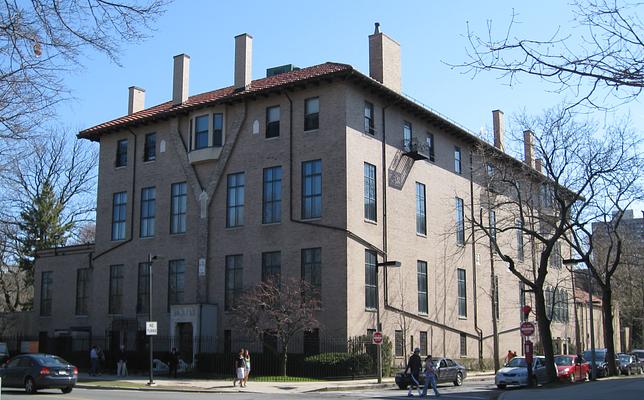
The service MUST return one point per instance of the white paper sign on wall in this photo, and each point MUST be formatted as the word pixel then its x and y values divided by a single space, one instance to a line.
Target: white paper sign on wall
pixel 151 328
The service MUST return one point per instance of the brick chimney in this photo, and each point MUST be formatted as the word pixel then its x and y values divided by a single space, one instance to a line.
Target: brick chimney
pixel 243 61
pixel 538 165
pixel 499 129
pixel 136 100
pixel 384 59
pixel 527 147
pixel 180 79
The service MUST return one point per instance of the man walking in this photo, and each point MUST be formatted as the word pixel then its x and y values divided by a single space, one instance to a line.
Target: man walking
pixel 430 376
pixel 93 361
pixel 414 365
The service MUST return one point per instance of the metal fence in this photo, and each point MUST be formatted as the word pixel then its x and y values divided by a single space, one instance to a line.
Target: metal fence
pixel 315 357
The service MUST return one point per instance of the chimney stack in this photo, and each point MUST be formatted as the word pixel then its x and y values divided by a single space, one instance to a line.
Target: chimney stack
pixel 537 165
pixel 384 59
pixel 243 61
pixel 499 129
pixel 136 100
pixel 527 147
pixel 180 79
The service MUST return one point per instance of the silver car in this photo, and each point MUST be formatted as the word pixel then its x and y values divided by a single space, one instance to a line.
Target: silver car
pixel 515 372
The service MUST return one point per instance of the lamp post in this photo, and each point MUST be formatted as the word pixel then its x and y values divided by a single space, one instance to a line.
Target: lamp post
pixel 385 264
pixel 593 358
pixel 151 258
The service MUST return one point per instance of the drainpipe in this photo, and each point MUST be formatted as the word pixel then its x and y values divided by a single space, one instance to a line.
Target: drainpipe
pixel 132 205
pixel 478 330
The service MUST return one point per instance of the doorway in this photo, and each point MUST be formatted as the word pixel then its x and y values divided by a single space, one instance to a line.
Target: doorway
pixel 185 341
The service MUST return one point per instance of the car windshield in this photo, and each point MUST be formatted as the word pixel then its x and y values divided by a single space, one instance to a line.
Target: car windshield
pixel 625 358
pixel 599 355
pixel 51 360
pixel 517 362
pixel 3 348
pixel 564 360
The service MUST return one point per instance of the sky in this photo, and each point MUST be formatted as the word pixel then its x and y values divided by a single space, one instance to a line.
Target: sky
pixel 432 35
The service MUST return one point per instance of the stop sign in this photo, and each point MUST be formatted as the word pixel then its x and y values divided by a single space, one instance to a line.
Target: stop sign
pixel 377 338
pixel 527 328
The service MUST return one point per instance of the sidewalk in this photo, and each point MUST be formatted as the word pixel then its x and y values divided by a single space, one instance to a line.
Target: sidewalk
pixel 107 382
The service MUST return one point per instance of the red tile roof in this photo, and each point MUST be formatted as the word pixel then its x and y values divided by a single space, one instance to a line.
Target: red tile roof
pixel 224 94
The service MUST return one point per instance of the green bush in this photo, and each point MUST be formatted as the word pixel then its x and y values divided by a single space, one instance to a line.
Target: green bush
pixel 338 365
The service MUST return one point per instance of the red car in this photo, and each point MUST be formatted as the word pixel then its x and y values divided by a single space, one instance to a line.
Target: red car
pixel 571 368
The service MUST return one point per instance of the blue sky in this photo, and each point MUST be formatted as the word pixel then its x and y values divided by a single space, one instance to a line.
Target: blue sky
pixel 304 33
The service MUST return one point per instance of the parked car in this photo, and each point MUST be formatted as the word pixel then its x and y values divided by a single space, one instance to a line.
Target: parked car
pixel 571 368
pixel 600 361
pixel 4 353
pixel 628 364
pixel 515 372
pixel 159 367
pixel 447 371
pixel 640 356
pixel 39 371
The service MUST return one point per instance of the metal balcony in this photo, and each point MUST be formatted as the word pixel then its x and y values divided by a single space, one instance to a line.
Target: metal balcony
pixel 415 149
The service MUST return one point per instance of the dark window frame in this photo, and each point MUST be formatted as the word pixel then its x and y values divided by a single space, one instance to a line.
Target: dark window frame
pixel 311 118
pixel 421 209
pixel 460 221
pixel 463 345
pixel 371 277
pixel 399 343
pixel 176 282
pixel 422 342
pixel 233 280
pixel 234 206
pixel 272 126
pixel 148 212
pixel 458 166
pixel 217 130
pixel 369 126
pixel 272 267
pixel 462 292
pixel 311 272
pixel 431 146
pixel 312 178
pixel 178 207
pixel 201 135
pixel 272 195
pixel 520 242
pixel 119 215
pixel 121 153
pixel 150 147
pixel 408 134
pixel 115 301
pixel 46 293
pixel 82 290
pixel 423 287
pixel 370 193
pixel 143 288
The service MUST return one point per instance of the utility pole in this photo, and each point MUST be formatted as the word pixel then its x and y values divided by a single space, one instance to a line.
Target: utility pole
pixel 150 336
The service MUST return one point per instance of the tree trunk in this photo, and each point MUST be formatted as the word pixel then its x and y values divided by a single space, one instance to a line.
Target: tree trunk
pixel 284 357
pixel 607 314
pixel 543 324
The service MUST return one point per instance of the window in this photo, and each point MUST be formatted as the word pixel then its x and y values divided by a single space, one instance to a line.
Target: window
pixel 370 192
pixel 406 135
pixel 272 197
pixel 178 207
pixel 150 148
pixel 82 290
pixel 497 311
pixel 368 118
pixel 46 292
pixel 176 282
pixel 548 297
pixel 430 144
pixel 311 342
pixel 312 189
pixel 463 345
pixel 116 289
pixel 462 293
pixel 148 211
pixel 201 132
pixel 399 344
pixel 233 281
pixel 460 222
pixel 272 122
pixel 235 200
pixel 519 228
pixel 143 289
pixel 272 267
pixel 119 203
pixel 492 221
pixel 121 153
pixel 555 256
pixel 312 270
pixel 370 279
pixel 422 343
pixel 421 268
pixel 311 113
pixel 217 129
pixel 421 218
pixel 457 160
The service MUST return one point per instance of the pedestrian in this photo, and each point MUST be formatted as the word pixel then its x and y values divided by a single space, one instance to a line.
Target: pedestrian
pixel 100 359
pixel 240 369
pixel 121 365
pixel 173 363
pixel 93 361
pixel 247 366
pixel 414 366
pixel 510 356
pixel 430 376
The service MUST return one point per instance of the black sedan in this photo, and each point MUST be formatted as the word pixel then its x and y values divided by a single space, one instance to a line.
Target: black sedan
pixel 628 364
pixel 447 370
pixel 39 371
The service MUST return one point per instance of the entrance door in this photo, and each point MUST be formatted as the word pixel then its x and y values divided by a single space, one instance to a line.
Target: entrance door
pixel 185 341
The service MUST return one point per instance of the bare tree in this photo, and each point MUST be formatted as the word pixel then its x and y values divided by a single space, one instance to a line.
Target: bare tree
pixel 601 57
pixel 630 296
pixel 41 40
pixel 284 309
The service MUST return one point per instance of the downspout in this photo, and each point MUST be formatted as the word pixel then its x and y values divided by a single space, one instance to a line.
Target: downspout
pixel 478 330
pixel 384 200
pixel 131 207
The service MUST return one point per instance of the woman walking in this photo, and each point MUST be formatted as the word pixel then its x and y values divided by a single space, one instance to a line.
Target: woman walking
pixel 240 369
pixel 247 366
pixel 430 376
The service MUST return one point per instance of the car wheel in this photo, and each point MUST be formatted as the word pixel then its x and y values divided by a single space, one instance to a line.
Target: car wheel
pixel 501 386
pixel 628 372
pixel 30 386
pixel 535 382
pixel 67 390
pixel 459 379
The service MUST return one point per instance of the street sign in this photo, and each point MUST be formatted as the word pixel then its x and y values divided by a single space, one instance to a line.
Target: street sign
pixel 151 328
pixel 527 328
pixel 377 338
